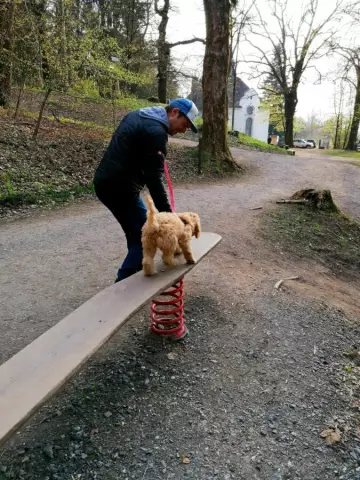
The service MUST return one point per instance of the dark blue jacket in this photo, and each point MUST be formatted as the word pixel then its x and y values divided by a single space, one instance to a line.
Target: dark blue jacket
pixel 135 156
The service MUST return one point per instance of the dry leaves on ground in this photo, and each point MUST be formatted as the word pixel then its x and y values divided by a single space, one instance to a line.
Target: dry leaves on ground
pixel 331 435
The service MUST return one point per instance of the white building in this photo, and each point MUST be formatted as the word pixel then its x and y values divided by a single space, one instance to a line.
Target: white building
pixel 249 117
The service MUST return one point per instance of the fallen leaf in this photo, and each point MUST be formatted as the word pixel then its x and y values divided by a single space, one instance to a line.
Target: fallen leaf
pixel 331 435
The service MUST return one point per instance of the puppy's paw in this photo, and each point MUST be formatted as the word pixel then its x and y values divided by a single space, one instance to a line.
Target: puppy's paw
pixel 150 274
pixel 191 261
pixel 148 269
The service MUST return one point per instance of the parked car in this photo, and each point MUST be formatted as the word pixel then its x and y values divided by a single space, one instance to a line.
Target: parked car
pixel 313 143
pixel 301 143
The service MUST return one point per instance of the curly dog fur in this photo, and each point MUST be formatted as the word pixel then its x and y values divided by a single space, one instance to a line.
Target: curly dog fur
pixel 171 233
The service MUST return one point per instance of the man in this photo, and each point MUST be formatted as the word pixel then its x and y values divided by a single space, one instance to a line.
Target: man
pixel 133 159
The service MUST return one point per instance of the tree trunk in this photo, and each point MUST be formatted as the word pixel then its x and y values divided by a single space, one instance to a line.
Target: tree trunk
pixel 163 64
pixel 290 102
pixel 346 134
pixel 21 89
pixel 163 49
pixel 337 132
pixel 37 127
pixel 354 130
pixel 62 18
pixel 320 199
pixel 6 45
pixel 214 152
pixel 39 11
pixel 233 98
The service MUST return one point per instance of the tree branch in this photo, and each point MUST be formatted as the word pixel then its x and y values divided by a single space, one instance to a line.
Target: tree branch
pixel 187 42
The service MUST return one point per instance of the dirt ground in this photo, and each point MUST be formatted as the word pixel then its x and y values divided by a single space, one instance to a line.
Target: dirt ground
pixel 246 396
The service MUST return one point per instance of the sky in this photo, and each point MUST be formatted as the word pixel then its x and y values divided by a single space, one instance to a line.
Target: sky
pixel 188 20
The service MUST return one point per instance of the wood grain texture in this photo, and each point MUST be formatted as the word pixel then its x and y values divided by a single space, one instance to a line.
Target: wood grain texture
pixel 33 375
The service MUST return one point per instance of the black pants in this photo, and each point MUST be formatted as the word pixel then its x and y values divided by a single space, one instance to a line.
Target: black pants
pixel 130 211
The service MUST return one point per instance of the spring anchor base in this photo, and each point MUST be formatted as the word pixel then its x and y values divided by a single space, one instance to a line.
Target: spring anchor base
pixel 167 313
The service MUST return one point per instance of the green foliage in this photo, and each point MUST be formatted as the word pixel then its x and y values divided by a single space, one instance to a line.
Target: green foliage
pixel 5 179
pixel 338 127
pixel 85 87
pixel 274 102
pixel 198 122
pixel 299 125
pixel 62 45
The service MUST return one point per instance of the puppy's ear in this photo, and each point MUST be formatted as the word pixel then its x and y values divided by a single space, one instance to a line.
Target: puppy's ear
pixel 197 229
pixel 185 218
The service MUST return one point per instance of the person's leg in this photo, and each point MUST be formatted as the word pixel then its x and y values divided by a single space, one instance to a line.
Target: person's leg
pixel 130 212
pixel 133 260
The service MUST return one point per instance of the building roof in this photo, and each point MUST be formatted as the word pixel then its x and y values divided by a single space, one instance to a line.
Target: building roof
pixel 196 94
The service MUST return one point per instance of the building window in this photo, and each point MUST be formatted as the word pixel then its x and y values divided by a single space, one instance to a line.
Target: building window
pixel 250 110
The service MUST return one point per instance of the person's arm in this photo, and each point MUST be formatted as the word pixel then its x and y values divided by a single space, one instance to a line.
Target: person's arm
pixel 153 168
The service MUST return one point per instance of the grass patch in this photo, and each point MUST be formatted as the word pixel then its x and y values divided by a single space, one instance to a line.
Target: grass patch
pixel 75 97
pixel 329 238
pixel 45 197
pixel 253 144
pixel 342 153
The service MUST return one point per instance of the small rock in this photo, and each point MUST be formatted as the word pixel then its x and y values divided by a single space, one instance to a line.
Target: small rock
pixel 354 455
pixel 107 414
pixel 48 451
pixel 83 456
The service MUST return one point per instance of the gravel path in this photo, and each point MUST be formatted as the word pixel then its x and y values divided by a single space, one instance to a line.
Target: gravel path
pixel 247 395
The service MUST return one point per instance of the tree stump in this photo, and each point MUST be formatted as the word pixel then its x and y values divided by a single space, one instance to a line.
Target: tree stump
pixel 319 199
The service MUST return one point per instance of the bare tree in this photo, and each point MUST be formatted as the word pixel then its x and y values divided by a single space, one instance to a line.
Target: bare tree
pixel 353 10
pixel 240 17
pixel 214 149
pixel 163 47
pixel 352 57
pixel 294 47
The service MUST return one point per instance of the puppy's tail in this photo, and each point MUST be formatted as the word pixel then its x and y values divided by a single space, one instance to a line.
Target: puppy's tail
pixel 151 213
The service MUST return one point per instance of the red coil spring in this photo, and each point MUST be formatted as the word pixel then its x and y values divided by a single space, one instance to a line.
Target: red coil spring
pixel 167 316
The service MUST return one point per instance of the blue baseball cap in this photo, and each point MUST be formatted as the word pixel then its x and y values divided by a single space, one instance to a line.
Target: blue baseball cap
pixel 187 108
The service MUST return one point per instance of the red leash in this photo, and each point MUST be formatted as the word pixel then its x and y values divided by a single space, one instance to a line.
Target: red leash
pixel 168 179
pixel 171 191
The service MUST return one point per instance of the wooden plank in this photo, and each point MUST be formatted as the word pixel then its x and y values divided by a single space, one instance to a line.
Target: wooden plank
pixel 38 371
